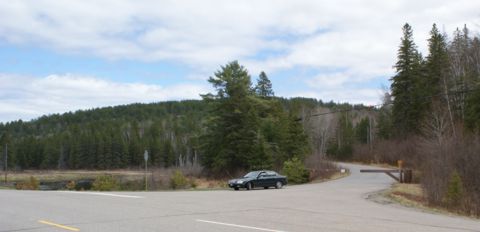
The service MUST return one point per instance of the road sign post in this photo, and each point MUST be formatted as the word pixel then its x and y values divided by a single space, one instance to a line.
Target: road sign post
pixel 6 162
pixel 145 157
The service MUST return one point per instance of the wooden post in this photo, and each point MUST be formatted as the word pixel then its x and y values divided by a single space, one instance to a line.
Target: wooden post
pixel 400 167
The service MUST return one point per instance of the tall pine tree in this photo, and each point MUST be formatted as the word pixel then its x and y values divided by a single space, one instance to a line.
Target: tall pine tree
pixel 406 87
pixel 436 64
pixel 233 140
pixel 264 86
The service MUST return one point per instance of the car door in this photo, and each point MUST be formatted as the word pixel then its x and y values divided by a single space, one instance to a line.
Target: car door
pixel 262 179
pixel 271 179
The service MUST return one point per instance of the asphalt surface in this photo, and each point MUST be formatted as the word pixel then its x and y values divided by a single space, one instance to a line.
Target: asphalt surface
pixel 339 205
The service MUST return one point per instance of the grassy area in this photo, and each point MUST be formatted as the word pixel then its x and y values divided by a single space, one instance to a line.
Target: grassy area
pixel 129 180
pixel 53 175
pixel 408 194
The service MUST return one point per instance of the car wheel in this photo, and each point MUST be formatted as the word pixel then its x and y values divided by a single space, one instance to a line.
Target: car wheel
pixel 249 186
pixel 278 185
pixel 235 188
pixel 266 187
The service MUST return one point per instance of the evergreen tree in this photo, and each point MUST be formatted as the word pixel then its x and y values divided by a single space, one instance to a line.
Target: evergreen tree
pixel 100 159
pixel 472 114
pixel 124 153
pixel 135 146
pixel 108 157
pixel 232 137
pixel 51 152
pixel 168 154
pixel 264 86
pixel 406 87
pixel 74 152
pixel 362 130
pixel 116 144
pixel 437 64
pixel 6 140
pixel 341 146
pixel 295 143
pixel 384 123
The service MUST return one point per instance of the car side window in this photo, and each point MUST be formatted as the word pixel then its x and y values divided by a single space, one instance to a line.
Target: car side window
pixel 271 174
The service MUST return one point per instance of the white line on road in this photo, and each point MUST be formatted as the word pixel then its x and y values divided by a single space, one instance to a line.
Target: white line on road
pixel 239 226
pixel 103 194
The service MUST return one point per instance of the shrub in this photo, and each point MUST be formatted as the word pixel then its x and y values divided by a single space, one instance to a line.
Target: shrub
pixel 71 185
pixel 193 183
pixel 31 184
pixel 82 185
pixel 319 167
pixel 454 190
pixel 133 185
pixel 295 171
pixel 178 180
pixel 105 183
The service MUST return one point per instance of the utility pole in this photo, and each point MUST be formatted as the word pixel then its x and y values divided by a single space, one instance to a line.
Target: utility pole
pixel 6 162
pixel 370 132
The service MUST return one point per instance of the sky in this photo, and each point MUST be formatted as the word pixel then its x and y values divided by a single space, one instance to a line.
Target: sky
pixel 59 56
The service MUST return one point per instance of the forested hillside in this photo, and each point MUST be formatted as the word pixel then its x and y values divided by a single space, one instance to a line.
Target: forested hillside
pixel 112 137
pixel 116 137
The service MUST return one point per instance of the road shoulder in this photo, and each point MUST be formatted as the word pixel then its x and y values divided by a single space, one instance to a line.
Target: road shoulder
pixel 409 196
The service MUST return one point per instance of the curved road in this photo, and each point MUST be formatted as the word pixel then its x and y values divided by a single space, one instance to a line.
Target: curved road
pixel 338 205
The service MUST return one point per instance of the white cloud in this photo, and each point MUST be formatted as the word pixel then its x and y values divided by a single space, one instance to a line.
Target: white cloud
pixel 342 87
pixel 325 33
pixel 328 81
pixel 27 97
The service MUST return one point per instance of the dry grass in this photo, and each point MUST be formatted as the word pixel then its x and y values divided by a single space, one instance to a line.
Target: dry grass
pixel 203 184
pixel 408 194
pixel 54 175
pixel 158 178
pixel 412 195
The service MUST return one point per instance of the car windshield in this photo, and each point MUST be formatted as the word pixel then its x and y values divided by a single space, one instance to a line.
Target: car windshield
pixel 251 174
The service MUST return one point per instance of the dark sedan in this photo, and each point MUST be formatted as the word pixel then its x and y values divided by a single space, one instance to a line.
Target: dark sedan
pixel 256 179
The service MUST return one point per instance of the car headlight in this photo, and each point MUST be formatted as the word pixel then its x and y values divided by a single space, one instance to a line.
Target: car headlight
pixel 239 181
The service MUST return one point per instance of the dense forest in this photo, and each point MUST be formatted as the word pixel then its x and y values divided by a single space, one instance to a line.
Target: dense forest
pixel 241 127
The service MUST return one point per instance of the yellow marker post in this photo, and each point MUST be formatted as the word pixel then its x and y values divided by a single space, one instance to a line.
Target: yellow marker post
pixel 400 164
pixel 58 225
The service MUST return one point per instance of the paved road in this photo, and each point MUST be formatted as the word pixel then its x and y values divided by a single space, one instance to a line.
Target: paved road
pixel 338 205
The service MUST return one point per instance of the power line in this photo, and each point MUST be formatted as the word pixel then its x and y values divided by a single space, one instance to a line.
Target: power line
pixel 391 103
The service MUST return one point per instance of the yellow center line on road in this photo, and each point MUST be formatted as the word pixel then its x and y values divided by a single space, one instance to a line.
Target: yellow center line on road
pixel 58 225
